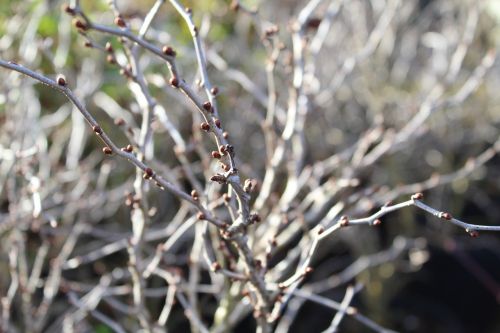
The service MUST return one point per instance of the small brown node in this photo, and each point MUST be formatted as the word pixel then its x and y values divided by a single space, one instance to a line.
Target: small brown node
pixel 97 129
pixel 417 196
pixel 79 24
pixel 174 82
pixel 128 148
pixel 119 21
pixel 61 80
pixel 119 121
pixel 148 173
pixel 444 215
pixel 205 126
pixel 110 59
pixel 194 195
pixel 169 51
pixel 344 221
pixel 207 106
pixel 107 150
pixel 68 9
pixel 109 47
pixel 216 266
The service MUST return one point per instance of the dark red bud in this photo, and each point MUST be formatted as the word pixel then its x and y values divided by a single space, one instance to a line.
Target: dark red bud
pixel 120 22
pixel 444 215
pixel 207 106
pixel 174 82
pixel 205 126
pixel 79 24
pixel 61 81
pixel 168 50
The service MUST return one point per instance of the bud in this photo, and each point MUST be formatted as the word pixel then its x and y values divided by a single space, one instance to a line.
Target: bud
pixel 119 122
pixel 444 215
pixel 61 80
pixel 248 186
pixel 110 59
pixel 68 9
pixel 200 216
pixel 235 5
pixel 205 126
pixel 214 91
pixel 107 150
pixel 217 122
pixel 417 196
pixel 321 230
pixel 167 50
pixel 216 154
pixel 218 178
pixel 128 149
pixel 97 129
pixel 109 47
pixel 207 106
pixel 174 82
pixel 254 218
pixel 194 194
pixel 344 221
pixel 79 24
pixel 473 233
pixel 120 22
